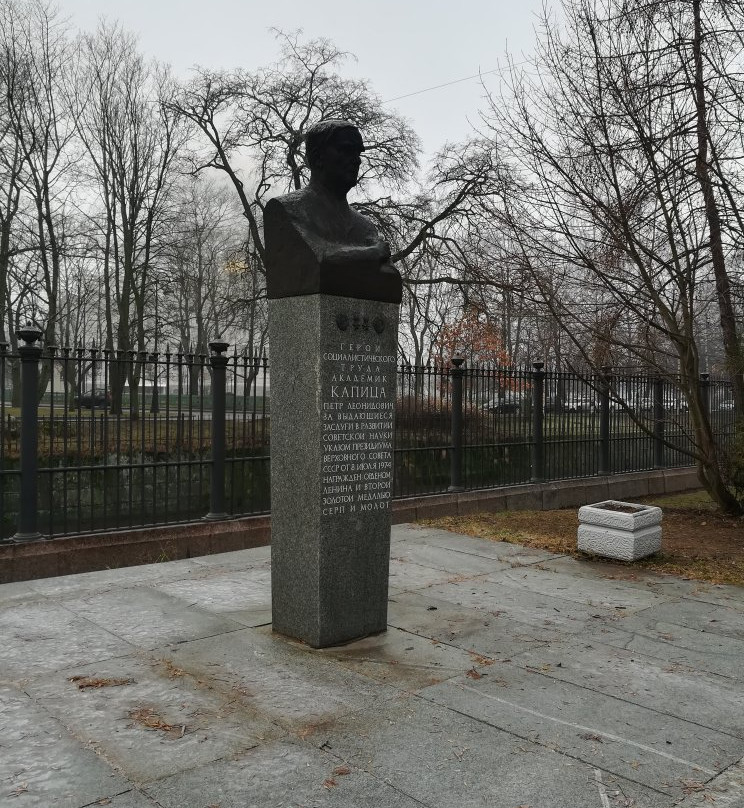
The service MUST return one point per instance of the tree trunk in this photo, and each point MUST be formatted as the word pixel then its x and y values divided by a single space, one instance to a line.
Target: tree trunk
pixel 729 331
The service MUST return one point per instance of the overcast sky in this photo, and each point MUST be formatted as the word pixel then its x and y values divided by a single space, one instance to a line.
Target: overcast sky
pixel 402 46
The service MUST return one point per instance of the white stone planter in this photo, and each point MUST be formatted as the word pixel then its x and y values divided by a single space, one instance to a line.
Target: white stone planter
pixel 621 530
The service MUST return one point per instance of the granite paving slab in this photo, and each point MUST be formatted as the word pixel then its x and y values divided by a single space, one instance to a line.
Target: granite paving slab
pixel 592 592
pixel 492 634
pixel 236 559
pixel 444 758
pixel 435 537
pixel 283 679
pixel 446 558
pixel 283 773
pixel 44 636
pixel 531 608
pixel 723 621
pixel 18 592
pixel 724 791
pixel 659 751
pixel 403 659
pixel 42 765
pixel 104 580
pixel 635 577
pixel 711 700
pixel 405 576
pixel 677 644
pixel 244 596
pixel 147 618
pixel 150 719
pixel 133 798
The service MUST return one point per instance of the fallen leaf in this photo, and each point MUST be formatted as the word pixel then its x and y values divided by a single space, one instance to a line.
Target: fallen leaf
pixel 173 671
pixel 339 771
pixel 84 682
pixel 329 783
pixel 691 786
pixel 473 674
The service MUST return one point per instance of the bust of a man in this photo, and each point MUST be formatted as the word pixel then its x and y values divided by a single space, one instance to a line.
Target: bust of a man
pixel 315 241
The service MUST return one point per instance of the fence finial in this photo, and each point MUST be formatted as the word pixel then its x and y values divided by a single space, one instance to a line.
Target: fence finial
pixel 30 333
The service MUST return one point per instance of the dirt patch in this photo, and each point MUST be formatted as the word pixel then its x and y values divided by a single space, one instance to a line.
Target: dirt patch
pixel 150 719
pixel 697 541
pixel 619 507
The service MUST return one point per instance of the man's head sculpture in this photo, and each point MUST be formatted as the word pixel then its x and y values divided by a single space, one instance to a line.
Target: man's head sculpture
pixel 332 151
pixel 316 243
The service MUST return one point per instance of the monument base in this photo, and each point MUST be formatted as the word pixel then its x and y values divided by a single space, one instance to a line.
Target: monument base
pixel 333 387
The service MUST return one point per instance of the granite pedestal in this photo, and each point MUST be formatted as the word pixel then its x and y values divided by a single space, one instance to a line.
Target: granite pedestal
pixel 333 383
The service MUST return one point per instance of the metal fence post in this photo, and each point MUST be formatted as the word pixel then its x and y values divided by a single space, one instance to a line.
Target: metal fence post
pixel 658 423
pixel 605 379
pixel 219 374
pixel 28 514
pixel 538 409
pixel 705 393
pixel 457 372
pixel 155 398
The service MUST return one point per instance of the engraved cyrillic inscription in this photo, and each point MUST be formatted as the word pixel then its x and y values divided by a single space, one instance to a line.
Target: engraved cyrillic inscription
pixel 357 429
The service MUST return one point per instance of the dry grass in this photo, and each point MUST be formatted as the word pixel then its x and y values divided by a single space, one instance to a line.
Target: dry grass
pixel 698 541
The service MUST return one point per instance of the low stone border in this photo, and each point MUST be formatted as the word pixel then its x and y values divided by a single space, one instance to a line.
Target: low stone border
pixel 547 496
pixel 128 548
pixel 65 556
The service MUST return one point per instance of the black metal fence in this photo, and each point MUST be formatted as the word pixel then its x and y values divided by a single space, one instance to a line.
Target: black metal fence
pixel 125 440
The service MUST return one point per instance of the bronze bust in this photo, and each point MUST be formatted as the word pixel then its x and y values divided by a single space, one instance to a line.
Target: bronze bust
pixel 315 242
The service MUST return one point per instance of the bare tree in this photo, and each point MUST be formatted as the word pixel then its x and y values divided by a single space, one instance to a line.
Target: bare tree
pixel 11 164
pixel 132 142
pixel 253 124
pixel 610 170
pixel 252 128
pixel 37 58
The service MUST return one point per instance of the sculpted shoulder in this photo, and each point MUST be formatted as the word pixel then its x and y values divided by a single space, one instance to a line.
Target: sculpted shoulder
pixel 293 203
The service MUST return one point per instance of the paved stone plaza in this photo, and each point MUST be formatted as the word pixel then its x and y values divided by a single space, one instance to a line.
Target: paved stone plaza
pixel 508 678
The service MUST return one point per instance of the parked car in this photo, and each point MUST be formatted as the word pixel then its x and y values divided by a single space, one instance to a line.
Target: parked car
pixel 580 404
pixel 90 400
pixel 507 402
